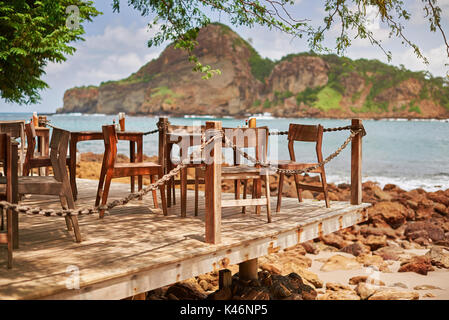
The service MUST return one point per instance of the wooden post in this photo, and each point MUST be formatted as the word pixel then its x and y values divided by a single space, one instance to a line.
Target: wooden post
pixel 15 194
pixel 356 165
pixel 224 279
pixel 248 269
pixel 162 153
pixel 213 187
pixel 257 183
pixel 162 123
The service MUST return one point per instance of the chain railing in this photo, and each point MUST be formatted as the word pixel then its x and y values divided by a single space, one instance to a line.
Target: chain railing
pixel 198 153
pixel 354 132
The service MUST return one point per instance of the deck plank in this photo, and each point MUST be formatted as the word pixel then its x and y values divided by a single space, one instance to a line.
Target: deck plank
pixel 126 249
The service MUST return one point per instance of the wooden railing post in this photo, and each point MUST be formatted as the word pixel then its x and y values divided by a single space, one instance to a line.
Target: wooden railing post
pixel 163 123
pixel 356 165
pixel 213 186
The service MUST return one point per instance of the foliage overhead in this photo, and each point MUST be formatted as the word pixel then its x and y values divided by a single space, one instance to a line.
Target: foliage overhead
pixel 179 21
pixel 33 33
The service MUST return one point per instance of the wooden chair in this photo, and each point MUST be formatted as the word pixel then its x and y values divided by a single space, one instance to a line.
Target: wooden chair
pixel 31 160
pixel 244 138
pixel 188 136
pixel 110 169
pixel 16 129
pixel 6 237
pixel 305 133
pixel 59 183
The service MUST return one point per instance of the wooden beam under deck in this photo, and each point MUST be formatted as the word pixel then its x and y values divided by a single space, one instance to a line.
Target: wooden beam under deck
pixel 132 250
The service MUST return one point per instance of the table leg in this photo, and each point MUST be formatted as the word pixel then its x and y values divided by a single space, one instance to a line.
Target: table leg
pixel 132 154
pixel 183 185
pixel 15 197
pixel 72 167
pixel 45 146
pixel 140 159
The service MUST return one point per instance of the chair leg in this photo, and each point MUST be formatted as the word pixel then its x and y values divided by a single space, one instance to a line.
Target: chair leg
pixel 174 191
pixel 9 236
pixel 169 193
pixel 100 184
pixel 298 190
pixel 237 189
pixel 280 187
pixel 324 184
pixel 153 180
pixel 183 184
pixel 76 228
pixel 163 200
pixel 196 192
pixel 104 198
pixel 258 184
pixel 64 202
pixel 267 194
pixel 245 190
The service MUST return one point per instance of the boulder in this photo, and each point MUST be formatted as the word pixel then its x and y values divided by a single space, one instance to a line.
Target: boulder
pixel 392 213
pixel 339 262
pixel 376 242
pixel 424 229
pixel 334 240
pixel 389 253
pixel 356 249
pixel 439 257
pixel 418 264
pixel 310 247
pixel 394 294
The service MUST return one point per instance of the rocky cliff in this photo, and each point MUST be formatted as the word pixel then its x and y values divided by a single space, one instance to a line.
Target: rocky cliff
pixel 304 84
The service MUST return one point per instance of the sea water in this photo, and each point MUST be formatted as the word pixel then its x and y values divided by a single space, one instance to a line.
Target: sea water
pixel 410 154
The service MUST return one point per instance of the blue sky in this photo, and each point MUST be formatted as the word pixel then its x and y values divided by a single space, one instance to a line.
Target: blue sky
pixel 116 46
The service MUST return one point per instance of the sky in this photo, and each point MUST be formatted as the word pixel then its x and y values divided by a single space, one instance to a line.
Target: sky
pixel 115 46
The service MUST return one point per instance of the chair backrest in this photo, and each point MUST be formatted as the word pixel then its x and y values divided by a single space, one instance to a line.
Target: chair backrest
pixel 256 138
pixel 305 133
pixel 110 144
pixel 15 128
pixel 6 159
pixel 58 153
pixel 31 143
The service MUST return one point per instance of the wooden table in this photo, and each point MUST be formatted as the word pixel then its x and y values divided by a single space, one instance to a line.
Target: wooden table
pixel 43 144
pixel 134 138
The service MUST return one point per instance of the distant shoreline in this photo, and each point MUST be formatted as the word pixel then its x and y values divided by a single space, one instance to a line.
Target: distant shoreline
pixel 259 116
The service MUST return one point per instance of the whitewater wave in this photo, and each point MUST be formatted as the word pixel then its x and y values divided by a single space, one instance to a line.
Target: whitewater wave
pixel 429 184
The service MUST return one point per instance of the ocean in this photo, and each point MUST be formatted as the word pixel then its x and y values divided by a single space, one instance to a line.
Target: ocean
pixel 411 154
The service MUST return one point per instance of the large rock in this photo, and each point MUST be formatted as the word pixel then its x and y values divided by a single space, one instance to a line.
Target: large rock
pixel 393 213
pixel 394 294
pixel 339 262
pixel 418 264
pixel 376 242
pixel 356 249
pixel 334 240
pixel 424 229
pixel 439 257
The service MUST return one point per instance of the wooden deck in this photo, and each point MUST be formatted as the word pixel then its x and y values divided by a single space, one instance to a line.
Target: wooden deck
pixel 133 250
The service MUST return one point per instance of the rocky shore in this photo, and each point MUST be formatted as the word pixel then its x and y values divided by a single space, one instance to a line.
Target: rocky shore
pixel 400 252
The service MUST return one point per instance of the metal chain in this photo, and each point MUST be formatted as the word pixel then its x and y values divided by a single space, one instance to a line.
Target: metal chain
pixel 278 133
pixel 295 171
pixel 4 205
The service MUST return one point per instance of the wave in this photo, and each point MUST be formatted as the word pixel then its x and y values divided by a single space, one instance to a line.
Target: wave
pixel 407 119
pixel 429 184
